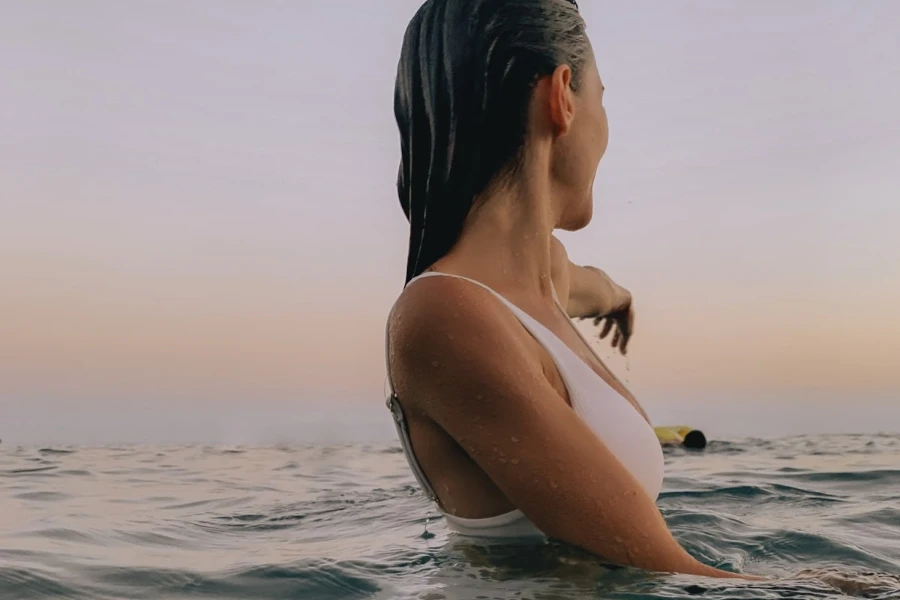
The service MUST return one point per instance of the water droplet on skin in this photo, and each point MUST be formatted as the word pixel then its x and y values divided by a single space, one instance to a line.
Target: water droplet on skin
pixel 503 461
pixel 554 485
pixel 515 461
pixel 514 439
pixel 479 397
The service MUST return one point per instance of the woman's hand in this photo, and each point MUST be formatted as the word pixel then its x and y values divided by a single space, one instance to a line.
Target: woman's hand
pixel 619 315
pixel 594 295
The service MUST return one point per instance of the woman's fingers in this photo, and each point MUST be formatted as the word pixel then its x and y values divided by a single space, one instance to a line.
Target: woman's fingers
pixel 620 324
pixel 607 327
pixel 626 336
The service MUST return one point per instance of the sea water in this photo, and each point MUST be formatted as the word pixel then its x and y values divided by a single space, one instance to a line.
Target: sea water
pixel 331 522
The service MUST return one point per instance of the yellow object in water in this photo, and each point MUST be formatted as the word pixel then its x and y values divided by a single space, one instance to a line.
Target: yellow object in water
pixel 680 435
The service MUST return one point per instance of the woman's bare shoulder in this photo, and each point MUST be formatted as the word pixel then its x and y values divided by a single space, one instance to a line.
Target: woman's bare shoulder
pixel 442 309
pixel 455 324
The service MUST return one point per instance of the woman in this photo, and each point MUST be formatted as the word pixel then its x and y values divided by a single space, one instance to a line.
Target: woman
pixel 510 422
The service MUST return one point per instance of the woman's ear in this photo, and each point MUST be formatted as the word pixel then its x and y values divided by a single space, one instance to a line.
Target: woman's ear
pixel 561 101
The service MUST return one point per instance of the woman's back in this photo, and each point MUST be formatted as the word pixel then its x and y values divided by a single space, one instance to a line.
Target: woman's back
pixel 612 418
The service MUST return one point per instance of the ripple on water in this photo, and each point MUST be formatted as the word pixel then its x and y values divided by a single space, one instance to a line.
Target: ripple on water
pixel 35 582
pixel 74 473
pixel 63 535
pixel 39 471
pixel 42 496
pixel 56 451
pixel 250 523
pixel 313 579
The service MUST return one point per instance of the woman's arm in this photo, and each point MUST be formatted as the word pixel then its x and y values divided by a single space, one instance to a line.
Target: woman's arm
pixel 584 291
pixel 467 362
pixel 593 294
pixel 589 293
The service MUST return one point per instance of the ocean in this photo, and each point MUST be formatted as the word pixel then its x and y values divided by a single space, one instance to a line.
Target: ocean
pixel 330 522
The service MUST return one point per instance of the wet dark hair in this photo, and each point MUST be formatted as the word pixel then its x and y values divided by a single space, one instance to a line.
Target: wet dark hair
pixel 464 84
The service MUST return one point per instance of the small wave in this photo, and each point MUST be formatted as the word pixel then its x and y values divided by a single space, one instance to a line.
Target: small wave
pixel 148 583
pixel 56 451
pixel 74 473
pixel 64 535
pixel 42 496
pixel 739 491
pixel 209 502
pixel 883 476
pixel 722 447
pixel 888 515
pixel 766 493
pixel 30 470
pixel 151 538
pixel 793 545
pixel 308 579
pixel 252 522
pixel 31 583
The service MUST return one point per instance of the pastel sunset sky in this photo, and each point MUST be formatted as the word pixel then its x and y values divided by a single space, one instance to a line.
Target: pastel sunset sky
pixel 200 237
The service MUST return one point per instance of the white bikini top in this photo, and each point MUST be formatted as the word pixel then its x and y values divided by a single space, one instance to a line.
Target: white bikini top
pixel 610 416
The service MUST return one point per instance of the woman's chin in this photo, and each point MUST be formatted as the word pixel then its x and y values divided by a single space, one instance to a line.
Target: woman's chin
pixel 578 219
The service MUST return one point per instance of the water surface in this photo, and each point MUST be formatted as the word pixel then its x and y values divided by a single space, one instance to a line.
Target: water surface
pixel 346 522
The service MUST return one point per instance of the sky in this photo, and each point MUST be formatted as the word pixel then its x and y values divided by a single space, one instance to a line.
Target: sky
pixel 200 236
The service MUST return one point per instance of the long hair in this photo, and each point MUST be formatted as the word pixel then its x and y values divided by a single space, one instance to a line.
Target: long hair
pixel 464 83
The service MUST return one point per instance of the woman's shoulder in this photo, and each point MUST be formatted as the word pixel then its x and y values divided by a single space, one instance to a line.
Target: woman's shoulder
pixel 435 306
pixel 446 332
pixel 457 316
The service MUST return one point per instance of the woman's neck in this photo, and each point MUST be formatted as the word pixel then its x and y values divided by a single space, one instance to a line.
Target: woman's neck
pixel 506 237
